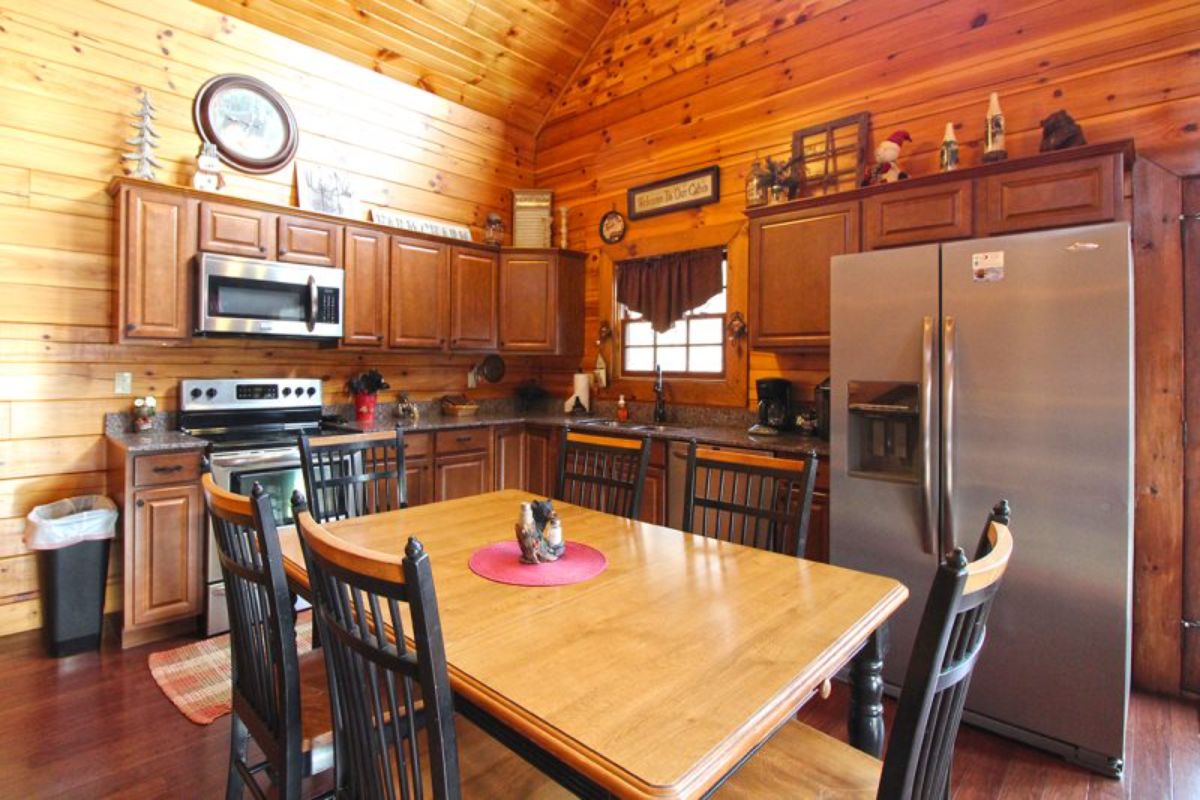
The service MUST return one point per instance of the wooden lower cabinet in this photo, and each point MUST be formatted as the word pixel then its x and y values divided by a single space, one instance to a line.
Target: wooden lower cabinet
pixel 654 492
pixel 541 460
pixel 166 555
pixel 817 548
pixel 462 474
pixel 418 476
pixel 511 457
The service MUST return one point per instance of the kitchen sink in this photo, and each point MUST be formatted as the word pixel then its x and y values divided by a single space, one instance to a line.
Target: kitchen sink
pixel 640 427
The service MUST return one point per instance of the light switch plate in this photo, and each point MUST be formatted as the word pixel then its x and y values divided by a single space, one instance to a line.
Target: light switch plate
pixel 123 383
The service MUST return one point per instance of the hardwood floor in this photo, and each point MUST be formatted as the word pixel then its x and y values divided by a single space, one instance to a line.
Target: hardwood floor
pixel 97 726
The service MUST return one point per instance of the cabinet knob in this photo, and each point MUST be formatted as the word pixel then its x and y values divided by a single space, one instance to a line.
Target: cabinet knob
pixel 141 503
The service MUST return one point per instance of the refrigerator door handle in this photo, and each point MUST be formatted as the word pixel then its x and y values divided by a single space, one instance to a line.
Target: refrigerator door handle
pixel 948 365
pixel 931 516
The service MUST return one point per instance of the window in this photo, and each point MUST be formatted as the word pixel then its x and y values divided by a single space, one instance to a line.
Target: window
pixel 695 345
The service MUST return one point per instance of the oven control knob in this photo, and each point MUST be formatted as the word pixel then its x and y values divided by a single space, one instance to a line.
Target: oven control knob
pixel 196 393
pixel 310 391
pixel 287 390
pixel 211 393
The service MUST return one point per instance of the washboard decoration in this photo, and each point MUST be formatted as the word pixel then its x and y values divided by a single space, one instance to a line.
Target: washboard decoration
pixel 531 217
pixel 830 157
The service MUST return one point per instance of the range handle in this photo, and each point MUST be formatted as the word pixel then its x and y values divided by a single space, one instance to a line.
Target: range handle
pixel 949 356
pixel 926 433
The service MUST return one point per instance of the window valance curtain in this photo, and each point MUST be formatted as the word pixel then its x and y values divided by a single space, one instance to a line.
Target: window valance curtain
pixel 661 288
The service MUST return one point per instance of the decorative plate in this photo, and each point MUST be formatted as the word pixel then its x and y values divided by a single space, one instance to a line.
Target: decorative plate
pixel 251 125
pixel 612 227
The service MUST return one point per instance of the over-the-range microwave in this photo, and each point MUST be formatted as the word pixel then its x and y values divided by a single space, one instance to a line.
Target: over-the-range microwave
pixel 268 298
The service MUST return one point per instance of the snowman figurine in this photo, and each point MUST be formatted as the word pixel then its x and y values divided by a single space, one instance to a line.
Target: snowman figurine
pixel 886 169
pixel 208 177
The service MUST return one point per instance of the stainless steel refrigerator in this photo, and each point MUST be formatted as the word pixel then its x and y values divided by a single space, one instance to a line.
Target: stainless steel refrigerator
pixel 972 371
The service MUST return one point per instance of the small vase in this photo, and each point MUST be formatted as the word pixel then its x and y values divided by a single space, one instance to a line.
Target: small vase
pixel 364 408
pixel 778 194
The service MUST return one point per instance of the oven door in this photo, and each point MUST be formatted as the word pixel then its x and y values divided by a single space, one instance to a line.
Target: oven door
pixel 280 473
pixel 247 296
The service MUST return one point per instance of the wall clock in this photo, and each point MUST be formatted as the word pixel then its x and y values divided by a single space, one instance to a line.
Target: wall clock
pixel 251 125
pixel 612 227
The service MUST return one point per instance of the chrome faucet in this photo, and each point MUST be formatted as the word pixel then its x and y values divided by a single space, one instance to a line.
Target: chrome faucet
pixel 660 400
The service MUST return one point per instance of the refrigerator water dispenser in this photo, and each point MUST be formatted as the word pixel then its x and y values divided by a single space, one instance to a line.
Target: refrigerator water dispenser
pixel 883 431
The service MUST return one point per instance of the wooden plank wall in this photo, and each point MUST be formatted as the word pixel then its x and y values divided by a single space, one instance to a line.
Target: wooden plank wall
pixel 70 71
pixel 675 86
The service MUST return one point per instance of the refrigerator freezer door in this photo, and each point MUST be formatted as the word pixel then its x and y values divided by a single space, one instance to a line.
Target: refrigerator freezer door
pixel 1042 416
pixel 884 311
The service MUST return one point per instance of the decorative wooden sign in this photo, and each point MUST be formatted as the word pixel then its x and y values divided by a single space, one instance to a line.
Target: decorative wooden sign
pixel 674 194
pixel 411 222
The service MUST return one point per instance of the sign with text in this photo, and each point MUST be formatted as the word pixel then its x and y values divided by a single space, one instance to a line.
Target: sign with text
pixel 411 222
pixel 673 194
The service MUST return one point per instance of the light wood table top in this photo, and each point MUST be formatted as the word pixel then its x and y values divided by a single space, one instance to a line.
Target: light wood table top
pixel 656 677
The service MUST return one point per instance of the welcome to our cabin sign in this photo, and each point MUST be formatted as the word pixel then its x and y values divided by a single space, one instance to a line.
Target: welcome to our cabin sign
pixel 673 194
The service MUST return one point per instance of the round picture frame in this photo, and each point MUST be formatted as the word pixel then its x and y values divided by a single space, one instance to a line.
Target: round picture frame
pixel 612 227
pixel 241 115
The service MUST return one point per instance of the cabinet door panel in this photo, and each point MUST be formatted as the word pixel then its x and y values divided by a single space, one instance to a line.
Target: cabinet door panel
pixel 462 475
pixel 366 300
pixel 159 241
pixel 541 460
pixel 789 274
pixel 420 294
pixel 418 475
pixel 473 318
pixel 510 457
pixel 928 214
pixel 236 231
pixel 654 496
pixel 167 546
pixel 309 241
pixel 527 303
pixel 1055 195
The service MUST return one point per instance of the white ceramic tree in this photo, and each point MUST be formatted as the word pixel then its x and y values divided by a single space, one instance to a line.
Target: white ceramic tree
pixel 143 162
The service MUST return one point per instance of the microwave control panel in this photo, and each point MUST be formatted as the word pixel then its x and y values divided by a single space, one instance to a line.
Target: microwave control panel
pixel 327 304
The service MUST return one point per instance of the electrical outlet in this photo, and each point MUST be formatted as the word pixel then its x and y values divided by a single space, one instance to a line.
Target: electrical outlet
pixel 123 383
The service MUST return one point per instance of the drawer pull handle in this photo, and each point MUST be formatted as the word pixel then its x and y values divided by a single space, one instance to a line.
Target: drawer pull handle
pixel 164 470
pixel 466 438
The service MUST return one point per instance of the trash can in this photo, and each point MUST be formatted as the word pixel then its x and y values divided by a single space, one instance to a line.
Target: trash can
pixel 72 538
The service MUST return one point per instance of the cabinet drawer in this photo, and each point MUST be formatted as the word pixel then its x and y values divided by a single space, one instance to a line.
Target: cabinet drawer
pixel 462 440
pixel 236 231
pixel 1073 193
pixel 928 214
pixel 417 444
pixel 166 468
pixel 309 241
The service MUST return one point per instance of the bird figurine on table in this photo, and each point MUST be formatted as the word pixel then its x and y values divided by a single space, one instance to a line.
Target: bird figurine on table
pixel 886 169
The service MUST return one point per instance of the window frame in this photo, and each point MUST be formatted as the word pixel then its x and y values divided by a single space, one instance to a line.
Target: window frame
pixel 687 344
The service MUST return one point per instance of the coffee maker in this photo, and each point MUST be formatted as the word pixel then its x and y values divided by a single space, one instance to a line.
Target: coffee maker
pixel 776 413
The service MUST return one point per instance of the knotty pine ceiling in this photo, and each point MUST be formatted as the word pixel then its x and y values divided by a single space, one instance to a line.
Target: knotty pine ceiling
pixel 509 59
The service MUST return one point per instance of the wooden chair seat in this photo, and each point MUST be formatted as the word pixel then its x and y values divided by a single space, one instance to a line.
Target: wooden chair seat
pixel 801 762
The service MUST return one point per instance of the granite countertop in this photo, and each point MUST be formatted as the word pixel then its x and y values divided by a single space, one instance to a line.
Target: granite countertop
pixel 156 441
pixel 727 435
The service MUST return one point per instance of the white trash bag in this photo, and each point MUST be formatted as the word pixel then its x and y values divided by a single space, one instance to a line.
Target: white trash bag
pixel 67 522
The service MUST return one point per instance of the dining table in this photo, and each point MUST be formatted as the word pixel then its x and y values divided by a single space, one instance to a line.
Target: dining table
pixel 657 677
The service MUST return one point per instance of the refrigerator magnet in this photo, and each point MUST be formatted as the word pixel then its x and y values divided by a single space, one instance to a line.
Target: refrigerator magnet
pixel 987 267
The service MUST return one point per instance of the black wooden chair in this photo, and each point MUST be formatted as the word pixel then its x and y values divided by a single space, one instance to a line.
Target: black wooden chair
pixel 354 474
pixel 279 698
pixel 604 473
pixel 383 691
pixel 799 761
pixel 749 499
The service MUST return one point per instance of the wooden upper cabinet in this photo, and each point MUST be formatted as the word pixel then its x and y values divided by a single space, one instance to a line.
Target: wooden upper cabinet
pixel 789 273
pixel 527 302
pixel 236 230
pixel 157 235
pixel 420 292
pixel 167 548
pixel 473 299
pixel 365 306
pixel 928 213
pixel 1054 195
pixel 309 241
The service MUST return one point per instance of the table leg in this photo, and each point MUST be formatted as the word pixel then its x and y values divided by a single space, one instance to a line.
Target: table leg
pixel 866 695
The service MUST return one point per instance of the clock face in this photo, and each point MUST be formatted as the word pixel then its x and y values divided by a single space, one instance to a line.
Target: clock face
pixel 250 124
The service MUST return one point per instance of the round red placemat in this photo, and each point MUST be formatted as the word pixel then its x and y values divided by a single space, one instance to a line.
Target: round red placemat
pixel 501 562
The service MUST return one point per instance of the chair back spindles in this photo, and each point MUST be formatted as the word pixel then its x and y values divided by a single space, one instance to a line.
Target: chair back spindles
pixel 354 474
pixel 604 473
pixel 263 656
pixel 749 499
pixel 949 640
pixel 361 599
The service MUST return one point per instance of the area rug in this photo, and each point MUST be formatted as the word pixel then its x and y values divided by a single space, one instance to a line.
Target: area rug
pixel 196 677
